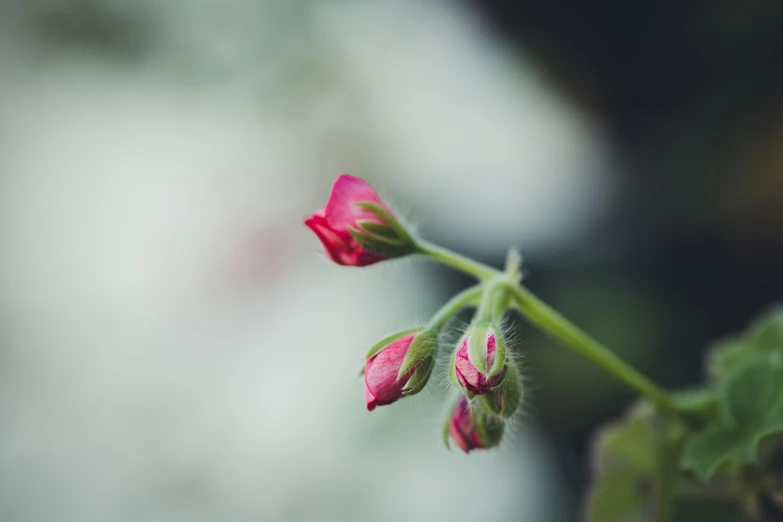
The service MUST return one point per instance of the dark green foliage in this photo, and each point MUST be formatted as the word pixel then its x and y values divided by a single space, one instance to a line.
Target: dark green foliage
pixel 721 460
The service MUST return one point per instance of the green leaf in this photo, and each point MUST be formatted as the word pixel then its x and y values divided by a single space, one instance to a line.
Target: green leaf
pixel 707 452
pixel 626 446
pixel 617 499
pixel 635 465
pixel 767 332
pixel 764 336
pixel 753 395
pixel 751 409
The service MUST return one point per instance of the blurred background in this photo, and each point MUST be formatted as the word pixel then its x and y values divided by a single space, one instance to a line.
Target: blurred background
pixel 174 346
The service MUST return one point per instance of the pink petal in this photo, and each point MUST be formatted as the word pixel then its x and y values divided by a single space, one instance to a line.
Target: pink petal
pixel 341 210
pixel 369 398
pixel 337 248
pixel 491 350
pixel 470 376
pixel 461 428
pixel 380 376
pixel 456 435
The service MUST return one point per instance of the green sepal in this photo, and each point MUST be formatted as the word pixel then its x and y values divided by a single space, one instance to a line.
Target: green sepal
pixel 424 346
pixel 367 238
pixel 386 341
pixel 445 431
pixel 419 379
pixel 500 353
pixel 380 245
pixel 492 402
pixel 378 229
pixel 387 238
pixel 453 371
pixel 506 398
pixel 477 347
pixel 488 427
pixel 478 337
pixel 385 216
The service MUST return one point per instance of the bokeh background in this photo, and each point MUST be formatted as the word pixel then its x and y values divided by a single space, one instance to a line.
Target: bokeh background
pixel 175 347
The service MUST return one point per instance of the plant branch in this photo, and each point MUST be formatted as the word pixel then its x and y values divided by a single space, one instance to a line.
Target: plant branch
pixel 467 297
pixel 557 326
pixel 550 321
pixel 460 262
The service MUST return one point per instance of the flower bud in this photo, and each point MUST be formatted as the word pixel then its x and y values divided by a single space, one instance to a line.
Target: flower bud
pixel 506 398
pixel 471 429
pixel 479 364
pixel 356 228
pixel 398 366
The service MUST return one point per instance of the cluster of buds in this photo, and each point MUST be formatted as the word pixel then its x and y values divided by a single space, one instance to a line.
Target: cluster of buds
pixel 358 229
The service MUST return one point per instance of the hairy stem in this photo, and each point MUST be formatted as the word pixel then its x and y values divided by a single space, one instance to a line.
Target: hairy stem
pixel 550 321
pixel 460 262
pixel 468 297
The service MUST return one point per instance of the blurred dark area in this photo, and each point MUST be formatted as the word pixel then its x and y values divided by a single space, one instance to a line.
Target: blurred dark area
pixel 692 93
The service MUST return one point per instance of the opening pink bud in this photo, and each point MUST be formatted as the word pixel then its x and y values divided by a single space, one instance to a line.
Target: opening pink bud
pixel 334 222
pixel 471 378
pixel 462 429
pixel 381 386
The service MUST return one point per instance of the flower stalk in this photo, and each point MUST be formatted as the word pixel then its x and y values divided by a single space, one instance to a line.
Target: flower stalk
pixel 548 320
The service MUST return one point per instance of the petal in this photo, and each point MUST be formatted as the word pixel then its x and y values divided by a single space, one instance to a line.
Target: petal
pixel 340 249
pixel 369 398
pixel 341 210
pixel 461 378
pixel 491 350
pixel 465 369
pixel 476 441
pixel 380 377
pixel 461 427
pixel 457 437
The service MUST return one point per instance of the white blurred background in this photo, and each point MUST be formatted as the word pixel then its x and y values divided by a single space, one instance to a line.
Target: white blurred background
pixel 173 344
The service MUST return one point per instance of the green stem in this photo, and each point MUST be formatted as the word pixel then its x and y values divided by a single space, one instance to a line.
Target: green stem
pixel 551 322
pixel 465 298
pixel 460 262
pixel 494 300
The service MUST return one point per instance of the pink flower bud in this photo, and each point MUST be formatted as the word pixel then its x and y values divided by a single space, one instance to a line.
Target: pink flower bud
pixel 383 383
pixel 475 380
pixel 340 225
pixel 471 430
